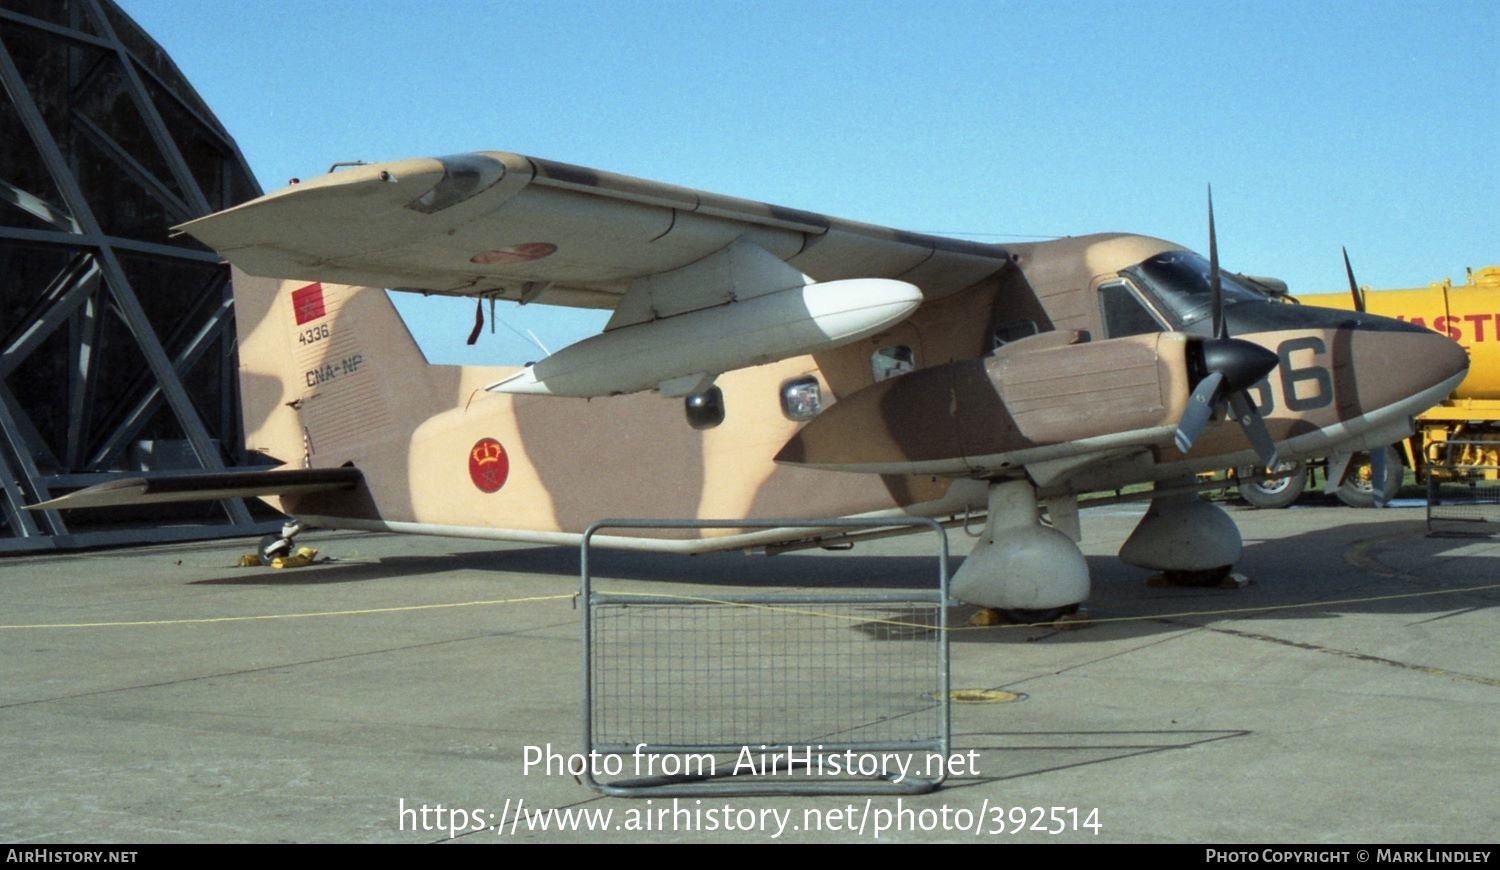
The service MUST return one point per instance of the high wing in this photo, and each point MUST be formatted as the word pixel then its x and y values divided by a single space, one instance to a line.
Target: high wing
pixel 505 226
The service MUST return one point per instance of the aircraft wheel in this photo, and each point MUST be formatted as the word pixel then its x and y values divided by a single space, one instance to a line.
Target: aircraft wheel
pixel 268 552
pixel 1275 493
pixel 1358 490
pixel 1029 617
pixel 1207 578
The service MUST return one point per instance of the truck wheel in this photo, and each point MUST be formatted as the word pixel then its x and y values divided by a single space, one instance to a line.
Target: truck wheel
pixel 1275 493
pixel 1358 490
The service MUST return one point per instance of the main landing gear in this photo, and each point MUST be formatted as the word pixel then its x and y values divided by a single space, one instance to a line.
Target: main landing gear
pixel 1018 564
pixel 1192 542
pixel 1025 571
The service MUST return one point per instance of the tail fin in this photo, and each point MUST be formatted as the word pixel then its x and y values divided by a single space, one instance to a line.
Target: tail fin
pixel 321 365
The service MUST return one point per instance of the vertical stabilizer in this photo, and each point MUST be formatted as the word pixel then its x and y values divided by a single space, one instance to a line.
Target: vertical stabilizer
pixel 322 365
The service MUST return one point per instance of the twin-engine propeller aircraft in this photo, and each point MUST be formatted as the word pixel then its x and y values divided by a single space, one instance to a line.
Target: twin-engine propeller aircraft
pixel 824 367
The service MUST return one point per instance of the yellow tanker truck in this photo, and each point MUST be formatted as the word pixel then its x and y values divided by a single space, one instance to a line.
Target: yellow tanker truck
pixel 1459 438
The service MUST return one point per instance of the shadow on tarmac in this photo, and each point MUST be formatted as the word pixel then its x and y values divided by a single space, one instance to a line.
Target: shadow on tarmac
pixel 1322 573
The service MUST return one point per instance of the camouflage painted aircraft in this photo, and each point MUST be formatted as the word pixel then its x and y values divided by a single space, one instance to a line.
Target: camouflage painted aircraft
pixel 824 367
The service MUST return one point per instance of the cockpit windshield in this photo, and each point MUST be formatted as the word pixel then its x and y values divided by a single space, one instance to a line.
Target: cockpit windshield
pixel 1179 280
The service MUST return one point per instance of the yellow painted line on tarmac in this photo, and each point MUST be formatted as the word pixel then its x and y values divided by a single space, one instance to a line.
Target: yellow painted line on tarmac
pixel 211 620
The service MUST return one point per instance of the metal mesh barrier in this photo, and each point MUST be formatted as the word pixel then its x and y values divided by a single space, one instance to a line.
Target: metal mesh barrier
pixel 1463 507
pixel 1463 487
pixel 781 693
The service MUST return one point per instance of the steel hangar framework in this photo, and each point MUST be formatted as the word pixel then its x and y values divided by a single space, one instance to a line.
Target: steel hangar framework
pixel 116 339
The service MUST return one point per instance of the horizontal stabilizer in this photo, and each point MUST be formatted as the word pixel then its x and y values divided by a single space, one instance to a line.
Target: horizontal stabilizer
pixel 210 486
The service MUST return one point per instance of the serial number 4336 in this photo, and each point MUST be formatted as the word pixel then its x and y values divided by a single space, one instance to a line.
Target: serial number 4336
pixel 313 335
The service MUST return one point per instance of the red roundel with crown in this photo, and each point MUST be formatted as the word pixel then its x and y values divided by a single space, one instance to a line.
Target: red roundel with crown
pixel 488 465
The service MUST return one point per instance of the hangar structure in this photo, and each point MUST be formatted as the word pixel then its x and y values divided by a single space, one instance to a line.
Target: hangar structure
pixel 116 338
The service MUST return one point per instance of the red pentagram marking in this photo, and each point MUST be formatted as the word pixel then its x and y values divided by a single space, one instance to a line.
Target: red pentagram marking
pixel 307 303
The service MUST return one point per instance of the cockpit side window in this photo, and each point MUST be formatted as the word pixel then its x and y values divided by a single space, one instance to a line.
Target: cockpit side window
pixel 1124 311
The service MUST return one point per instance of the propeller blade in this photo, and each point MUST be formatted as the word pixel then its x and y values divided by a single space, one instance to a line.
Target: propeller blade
pixel 1359 299
pixel 1338 469
pixel 1255 428
pixel 1221 329
pixel 1200 408
pixel 1232 368
pixel 1377 475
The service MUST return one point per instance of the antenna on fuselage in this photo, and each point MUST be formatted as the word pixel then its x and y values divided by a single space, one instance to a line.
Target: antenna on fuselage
pixel 1359 298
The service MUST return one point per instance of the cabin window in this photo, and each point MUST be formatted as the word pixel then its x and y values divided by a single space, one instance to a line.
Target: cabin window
pixel 1124 312
pixel 801 399
pixel 891 362
pixel 705 410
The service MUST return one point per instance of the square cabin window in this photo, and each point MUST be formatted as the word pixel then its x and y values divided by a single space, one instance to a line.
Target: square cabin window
pixel 801 399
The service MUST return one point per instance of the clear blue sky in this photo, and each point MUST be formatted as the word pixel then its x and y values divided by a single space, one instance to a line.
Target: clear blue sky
pixel 1374 125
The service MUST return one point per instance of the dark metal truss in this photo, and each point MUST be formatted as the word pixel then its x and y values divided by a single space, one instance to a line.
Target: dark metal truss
pixel 108 147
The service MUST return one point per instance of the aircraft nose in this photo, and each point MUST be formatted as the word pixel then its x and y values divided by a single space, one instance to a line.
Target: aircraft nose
pixel 1385 367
